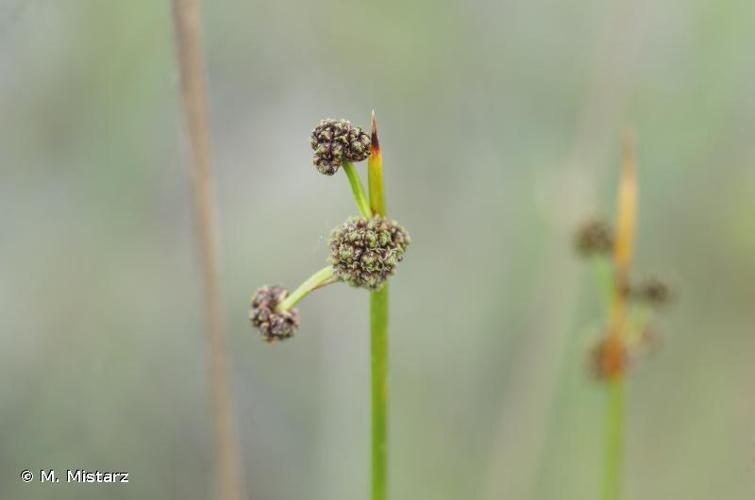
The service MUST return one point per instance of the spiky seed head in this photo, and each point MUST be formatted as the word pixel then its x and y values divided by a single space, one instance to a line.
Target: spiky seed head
pixel 365 252
pixel 654 292
pixel 272 325
pixel 336 141
pixel 594 237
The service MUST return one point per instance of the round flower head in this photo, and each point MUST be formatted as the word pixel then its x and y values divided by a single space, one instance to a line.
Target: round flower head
pixel 336 141
pixel 594 237
pixel 273 325
pixel 654 291
pixel 364 253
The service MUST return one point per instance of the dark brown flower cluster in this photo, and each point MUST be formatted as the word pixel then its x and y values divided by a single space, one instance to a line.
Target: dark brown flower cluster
pixel 612 355
pixel 336 141
pixel 653 292
pixel 364 253
pixel 595 237
pixel 272 324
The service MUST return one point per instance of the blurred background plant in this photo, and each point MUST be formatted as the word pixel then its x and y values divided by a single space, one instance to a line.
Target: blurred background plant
pixel 498 122
pixel 624 333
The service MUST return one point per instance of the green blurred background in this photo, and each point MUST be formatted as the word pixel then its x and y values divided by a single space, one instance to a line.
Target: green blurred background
pixel 500 124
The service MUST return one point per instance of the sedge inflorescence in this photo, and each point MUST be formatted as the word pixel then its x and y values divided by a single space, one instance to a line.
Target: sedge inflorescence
pixel 364 253
pixel 336 141
pixel 272 324
pixel 653 291
pixel 612 354
pixel 594 237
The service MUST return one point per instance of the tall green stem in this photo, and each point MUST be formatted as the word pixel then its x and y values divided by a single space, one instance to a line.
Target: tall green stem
pixel 379 338
pixel 626 219
pixel 379 360
pixel 614 417
pixel 605 279
pixel 323 277
pixel 357 189
pixel 612 470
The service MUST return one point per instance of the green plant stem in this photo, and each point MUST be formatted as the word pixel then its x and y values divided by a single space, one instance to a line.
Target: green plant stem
pixel 605 278
pixel 378 337
pixel 614 416
pixel 357 189
pixel 613 462
pixel 379 360
pixel 323 277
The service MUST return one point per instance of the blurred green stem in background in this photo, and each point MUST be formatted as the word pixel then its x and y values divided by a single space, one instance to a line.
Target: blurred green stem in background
pixel 614 431
pixel 604 278
pixel 379 338
pixel 321 278
pixel 626 220
pixel 614 440
pixel 357 189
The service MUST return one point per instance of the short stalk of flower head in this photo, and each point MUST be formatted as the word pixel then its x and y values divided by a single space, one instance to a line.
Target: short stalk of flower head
pixel 336 144
pixel 364 251
pixel 273 312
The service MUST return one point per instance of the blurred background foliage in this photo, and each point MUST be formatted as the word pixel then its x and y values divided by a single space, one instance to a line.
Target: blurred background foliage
pixel 500 123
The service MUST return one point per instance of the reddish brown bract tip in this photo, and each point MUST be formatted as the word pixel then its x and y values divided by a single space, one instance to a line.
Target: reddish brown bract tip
pixel 609 358
pixel 374 137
